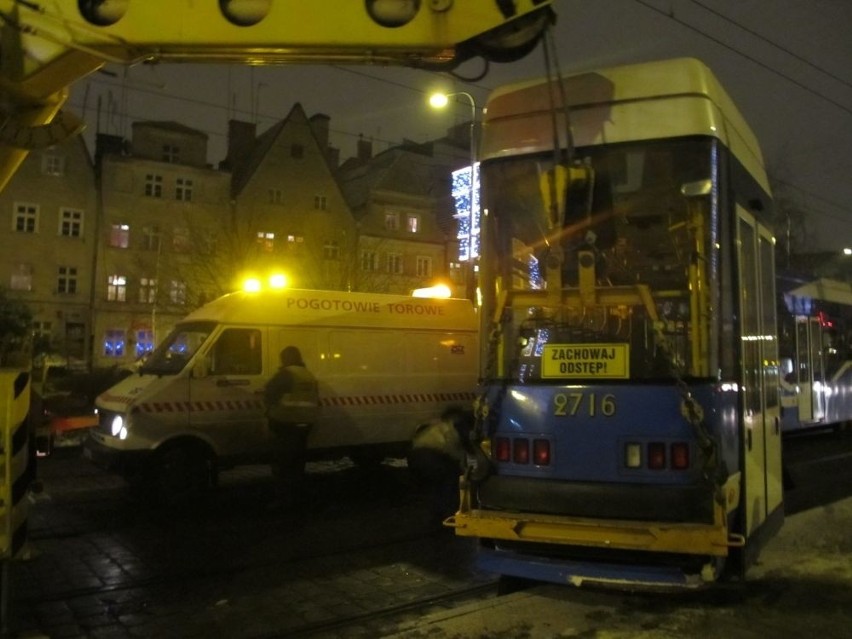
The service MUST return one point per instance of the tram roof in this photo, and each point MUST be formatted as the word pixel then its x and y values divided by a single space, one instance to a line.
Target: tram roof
pixel 646 101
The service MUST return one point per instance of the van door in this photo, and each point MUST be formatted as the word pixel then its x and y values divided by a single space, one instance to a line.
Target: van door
pixel 226 403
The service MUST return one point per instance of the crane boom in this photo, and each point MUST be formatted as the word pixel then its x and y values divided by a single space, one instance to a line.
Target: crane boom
pixel 46 46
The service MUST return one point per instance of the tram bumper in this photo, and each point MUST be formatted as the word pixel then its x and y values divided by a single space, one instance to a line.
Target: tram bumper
pixel 613 552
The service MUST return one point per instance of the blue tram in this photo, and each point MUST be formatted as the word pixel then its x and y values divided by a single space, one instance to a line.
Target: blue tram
pixel 815 345
pixel 630 408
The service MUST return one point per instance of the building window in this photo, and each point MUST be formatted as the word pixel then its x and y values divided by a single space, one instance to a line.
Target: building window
pixel 266 241
pixel 424 266
pixel 391 221
pixel 412 223
pixel 22 277
pixel 171 153
pixel 177 292
pixel 183 189
pixel 117 288
pixel 297 151
pixel 331 250
pixel 147 290
pixel 114 342
pixel 276 196
pixel 320 202
pixel 70 223
pixel 181 241
pixel 456 273
pixel 369 261
pixel 52 164
pixel 151 238
pixel 66 281
pixel 144 342
pixel 154 185
pixel 119 235
pixel 395 263
pixel 295 242
pixel 26 218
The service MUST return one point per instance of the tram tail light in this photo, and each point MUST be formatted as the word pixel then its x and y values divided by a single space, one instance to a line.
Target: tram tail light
pixel 541 452
pixel 656 455
pixel 521 451
pixel 680 455
pixel 502 449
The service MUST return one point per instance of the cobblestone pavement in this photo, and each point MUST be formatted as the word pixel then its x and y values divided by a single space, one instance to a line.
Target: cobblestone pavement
pixel 102 565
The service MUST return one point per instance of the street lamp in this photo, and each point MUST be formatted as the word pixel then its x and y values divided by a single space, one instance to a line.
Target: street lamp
pixel 440 101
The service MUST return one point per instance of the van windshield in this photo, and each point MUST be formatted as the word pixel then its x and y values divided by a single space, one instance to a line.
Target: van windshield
pixel 170 357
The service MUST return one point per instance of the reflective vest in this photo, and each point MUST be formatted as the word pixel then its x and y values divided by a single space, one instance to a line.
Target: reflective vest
pixel 443 437
pixel 299 405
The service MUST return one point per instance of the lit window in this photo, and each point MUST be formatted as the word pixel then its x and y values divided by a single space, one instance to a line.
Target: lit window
pixel 266 241
pixel 177 292
pixel 70 223
pixel 66 281
pixel 154 185
pixel 295 242
pixel 119 235
pixel 26 218
pixel 144 342
pixel 114 342
pixel 413 223
pixel 117 288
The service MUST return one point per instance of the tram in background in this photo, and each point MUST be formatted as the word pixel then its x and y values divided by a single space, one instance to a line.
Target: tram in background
pixel 815 345
pixel 629 407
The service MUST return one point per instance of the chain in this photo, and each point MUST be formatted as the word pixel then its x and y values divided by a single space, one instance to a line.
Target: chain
pixel 693 412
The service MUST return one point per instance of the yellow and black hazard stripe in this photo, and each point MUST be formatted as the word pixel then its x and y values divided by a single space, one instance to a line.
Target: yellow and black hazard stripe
pixel 219 405
pixel 17 469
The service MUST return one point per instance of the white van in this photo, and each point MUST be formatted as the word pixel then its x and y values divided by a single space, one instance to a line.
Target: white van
pixel 385 364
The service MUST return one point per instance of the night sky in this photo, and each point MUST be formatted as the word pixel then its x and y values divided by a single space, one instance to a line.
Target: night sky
pixel 786 63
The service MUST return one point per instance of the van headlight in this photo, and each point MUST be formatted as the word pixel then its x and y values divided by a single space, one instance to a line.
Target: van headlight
pixel 117 427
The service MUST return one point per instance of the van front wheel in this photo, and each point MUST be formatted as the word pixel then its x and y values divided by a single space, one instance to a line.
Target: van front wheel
pixel 181 474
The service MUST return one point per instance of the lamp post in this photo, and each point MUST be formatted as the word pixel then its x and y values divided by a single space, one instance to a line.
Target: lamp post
pixel 440 101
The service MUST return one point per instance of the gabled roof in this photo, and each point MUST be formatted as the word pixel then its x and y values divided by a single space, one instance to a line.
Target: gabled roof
pixel 400 170
pixel 243 173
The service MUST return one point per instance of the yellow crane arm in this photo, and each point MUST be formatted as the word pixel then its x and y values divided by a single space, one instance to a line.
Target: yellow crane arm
pixel 46 45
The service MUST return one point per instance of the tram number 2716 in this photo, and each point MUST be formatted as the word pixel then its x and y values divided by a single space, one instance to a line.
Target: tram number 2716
pixel 590 404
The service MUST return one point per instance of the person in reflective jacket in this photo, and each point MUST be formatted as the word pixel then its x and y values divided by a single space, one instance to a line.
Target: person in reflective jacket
pixel 292 405
pixel 438 457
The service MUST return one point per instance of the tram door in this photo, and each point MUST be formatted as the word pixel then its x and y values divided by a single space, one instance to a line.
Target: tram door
pixel 810 373
pixel 761 430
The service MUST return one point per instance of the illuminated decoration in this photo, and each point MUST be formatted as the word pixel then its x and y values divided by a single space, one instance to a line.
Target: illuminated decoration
pixel 466 197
